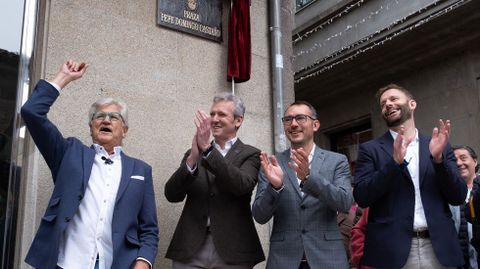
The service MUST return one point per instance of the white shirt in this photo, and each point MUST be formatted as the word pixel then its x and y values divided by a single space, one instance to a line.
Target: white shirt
pixel 412 158
pixel 89 233
pixel 228 146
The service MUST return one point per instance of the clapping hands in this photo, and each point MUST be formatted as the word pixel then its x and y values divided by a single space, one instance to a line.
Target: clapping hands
pixel 440 137
pixel 272 170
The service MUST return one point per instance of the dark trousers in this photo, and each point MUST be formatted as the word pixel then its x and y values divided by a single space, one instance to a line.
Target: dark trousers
pixel 304 265
pixel 207 258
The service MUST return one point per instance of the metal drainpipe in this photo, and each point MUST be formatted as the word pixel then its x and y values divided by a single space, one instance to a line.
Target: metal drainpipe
pixel 280 143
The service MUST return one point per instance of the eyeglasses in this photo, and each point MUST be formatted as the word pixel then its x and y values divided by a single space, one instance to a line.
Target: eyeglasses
pixel 301 119
pixel 113 116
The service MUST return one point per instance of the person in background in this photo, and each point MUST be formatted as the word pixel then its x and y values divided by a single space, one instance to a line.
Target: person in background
pixel 357 240
pixel 345 221
pixel 468 166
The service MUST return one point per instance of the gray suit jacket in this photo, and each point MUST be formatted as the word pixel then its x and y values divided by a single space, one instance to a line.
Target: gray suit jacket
pixel 306 224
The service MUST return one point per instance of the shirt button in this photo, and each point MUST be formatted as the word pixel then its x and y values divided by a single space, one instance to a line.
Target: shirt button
pixel 101 219
pixel 104 201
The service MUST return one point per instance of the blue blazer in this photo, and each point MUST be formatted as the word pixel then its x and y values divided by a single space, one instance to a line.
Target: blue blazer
pixel 387 188
pixel 134 224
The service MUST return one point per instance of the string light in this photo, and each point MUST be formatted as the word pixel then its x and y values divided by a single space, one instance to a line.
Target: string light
pixel 329 21
pixel 375 44
pixel 349 27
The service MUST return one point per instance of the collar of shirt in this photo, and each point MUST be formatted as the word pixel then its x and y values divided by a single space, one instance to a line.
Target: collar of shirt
pixel 101 151
pixel 310 155
pixel 228 146
pixel 412 148
pixel 469 191
pixel 414 141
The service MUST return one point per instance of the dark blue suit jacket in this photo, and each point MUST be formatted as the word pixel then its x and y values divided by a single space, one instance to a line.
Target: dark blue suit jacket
pixel 387 188
pixel 134 224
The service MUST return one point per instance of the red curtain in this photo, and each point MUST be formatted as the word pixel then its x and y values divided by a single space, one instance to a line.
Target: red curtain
pixel 239 42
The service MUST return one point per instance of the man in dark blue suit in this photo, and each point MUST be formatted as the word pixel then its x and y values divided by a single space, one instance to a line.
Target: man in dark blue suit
pixel 408 180
pixel 102 210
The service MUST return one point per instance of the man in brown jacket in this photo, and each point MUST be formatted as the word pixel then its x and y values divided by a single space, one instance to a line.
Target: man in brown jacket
pixel 217 178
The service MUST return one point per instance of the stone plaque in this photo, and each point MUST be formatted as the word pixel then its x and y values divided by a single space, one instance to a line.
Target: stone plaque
pixel 198 17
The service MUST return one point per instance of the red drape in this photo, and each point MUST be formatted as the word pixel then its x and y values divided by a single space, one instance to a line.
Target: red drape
pixel 239 42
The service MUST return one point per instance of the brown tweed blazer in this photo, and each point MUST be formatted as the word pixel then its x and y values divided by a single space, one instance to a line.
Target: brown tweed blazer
pixel 221 188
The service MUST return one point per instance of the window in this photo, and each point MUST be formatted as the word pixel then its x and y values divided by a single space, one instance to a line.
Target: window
pixel 300 4
pixel 348 141
pixel 16 48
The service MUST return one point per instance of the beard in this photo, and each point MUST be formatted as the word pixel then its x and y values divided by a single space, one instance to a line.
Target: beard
pixel 405 114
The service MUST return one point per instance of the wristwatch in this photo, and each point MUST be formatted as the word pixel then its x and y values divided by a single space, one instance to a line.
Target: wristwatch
pixel 303 181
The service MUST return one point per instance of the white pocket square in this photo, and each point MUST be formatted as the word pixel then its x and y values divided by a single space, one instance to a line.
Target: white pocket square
pixel 138 177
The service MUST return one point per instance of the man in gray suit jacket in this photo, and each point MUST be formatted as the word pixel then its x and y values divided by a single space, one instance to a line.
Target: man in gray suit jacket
pixel 216 229
pixel 303 191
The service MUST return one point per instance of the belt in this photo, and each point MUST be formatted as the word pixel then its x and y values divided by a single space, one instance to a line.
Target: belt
pixel 421 234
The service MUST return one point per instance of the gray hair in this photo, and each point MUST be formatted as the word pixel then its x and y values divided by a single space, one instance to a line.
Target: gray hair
pixel 239 107
pixel 109 101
